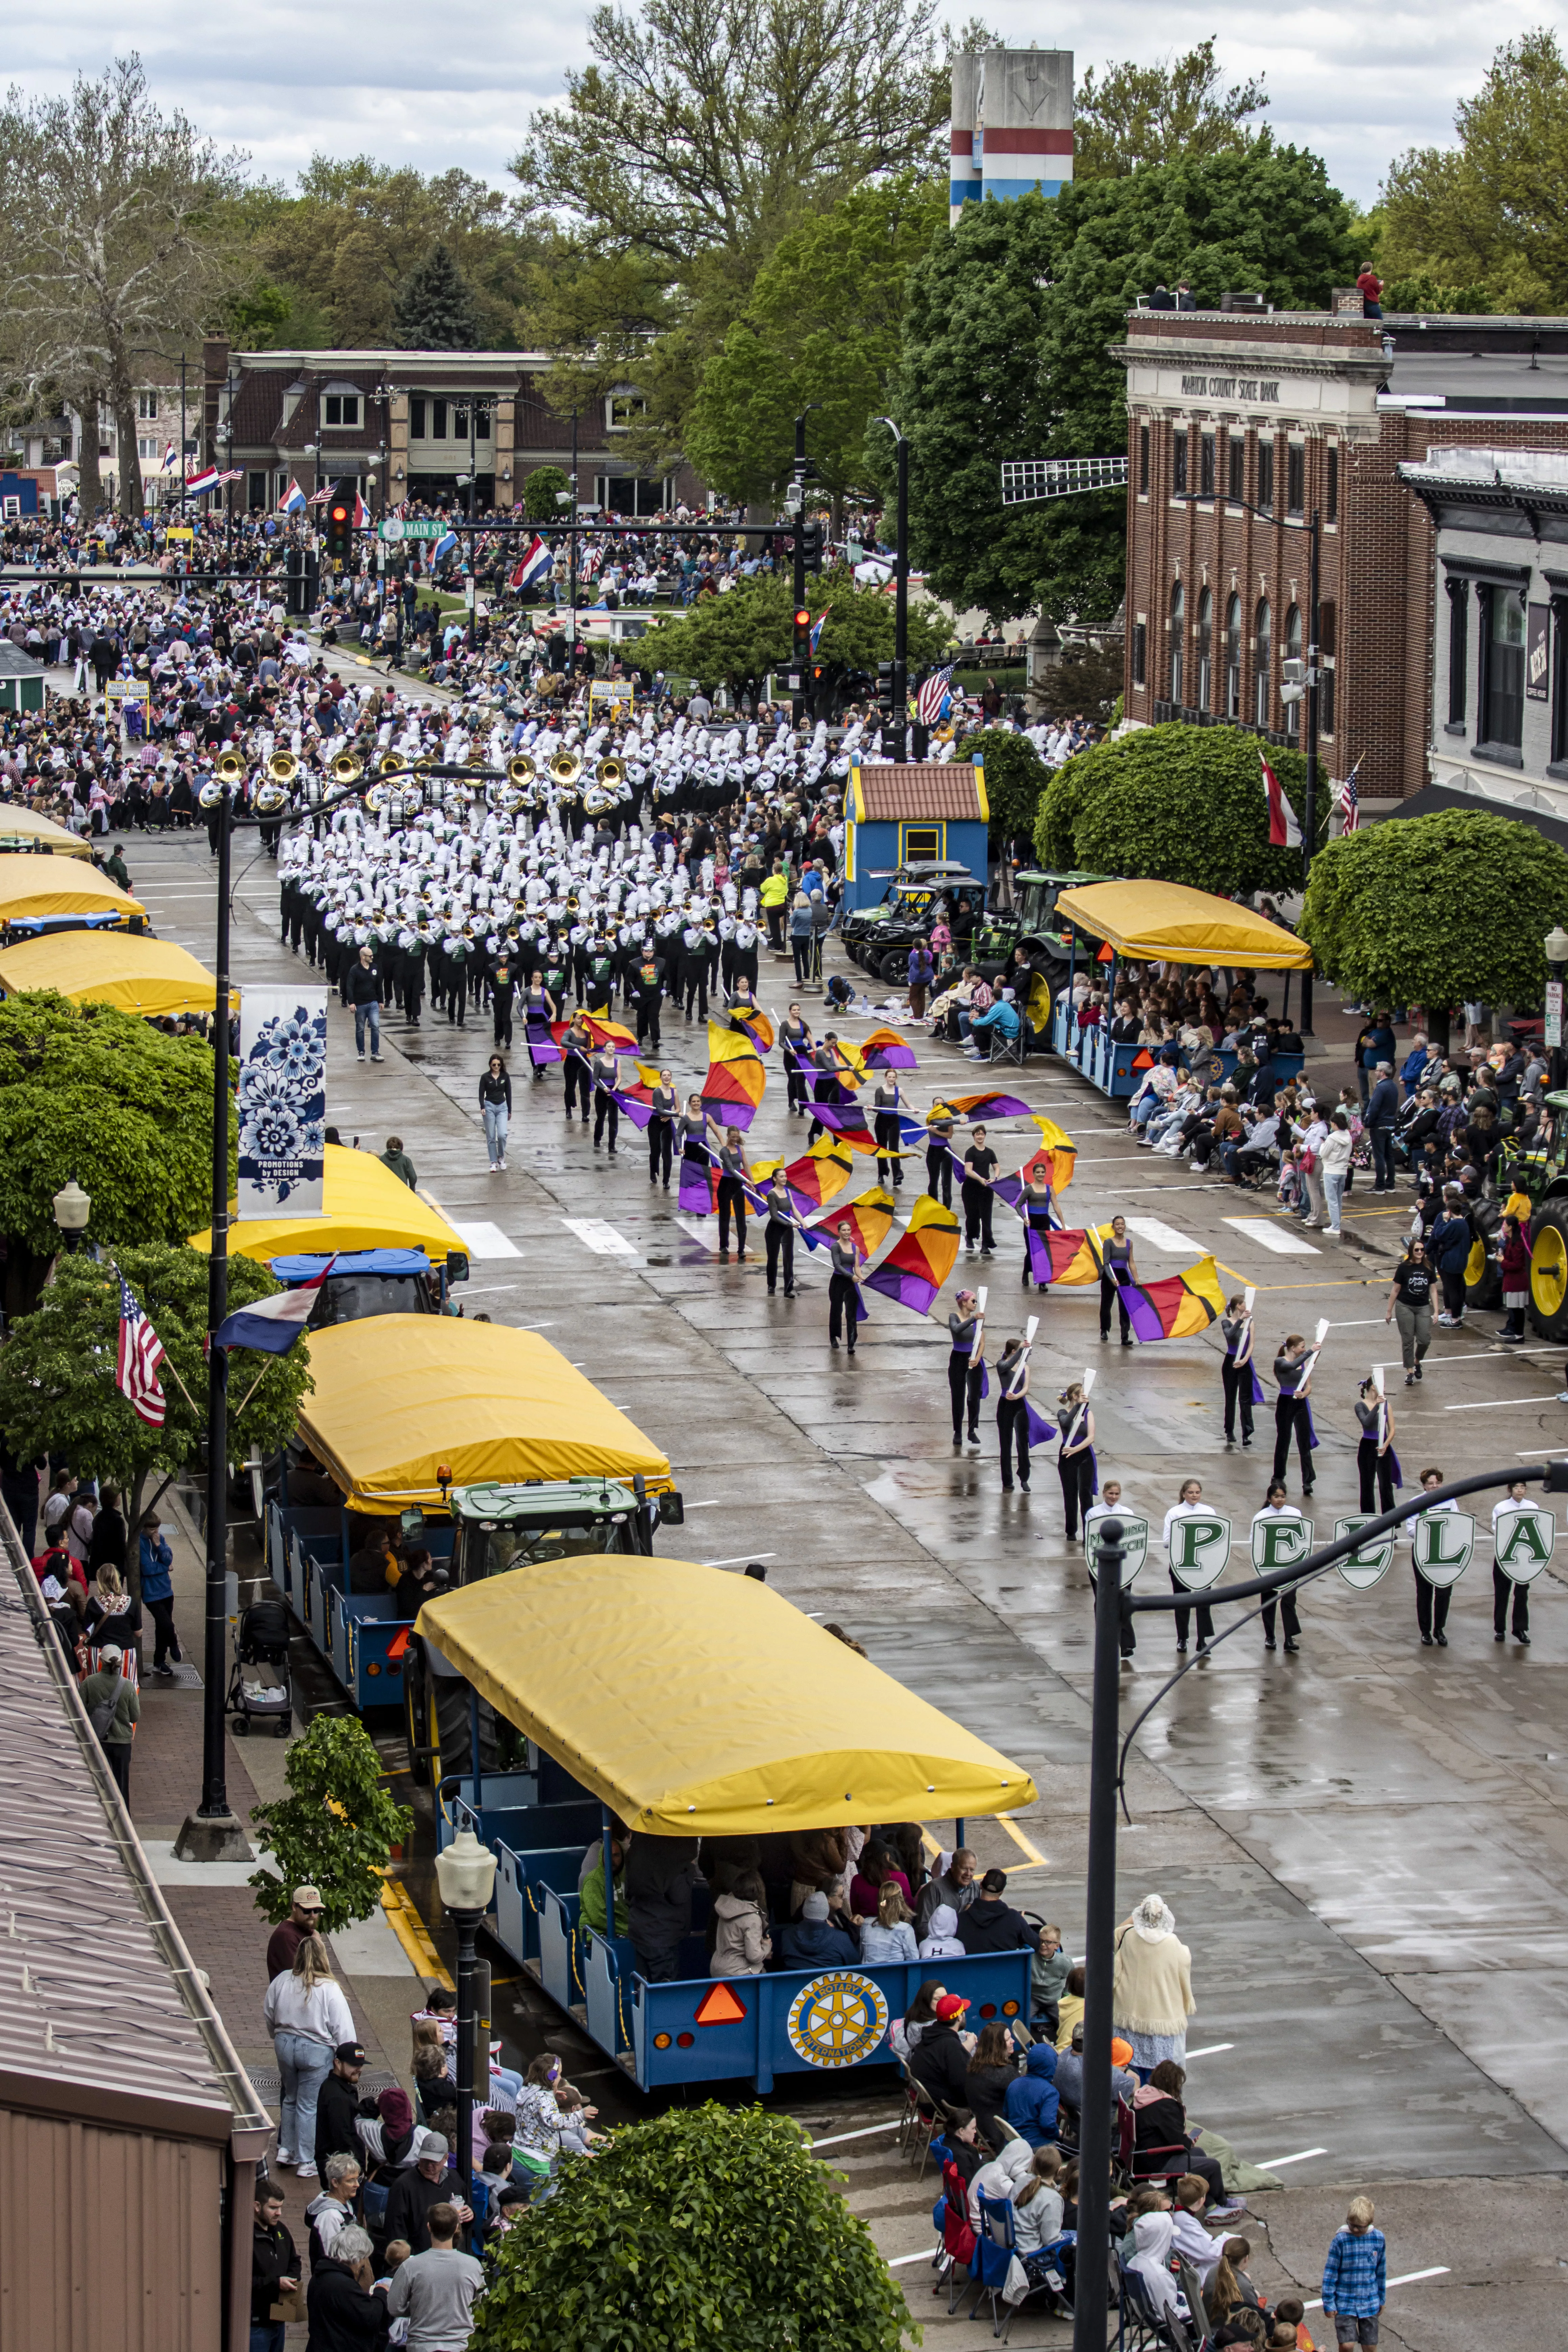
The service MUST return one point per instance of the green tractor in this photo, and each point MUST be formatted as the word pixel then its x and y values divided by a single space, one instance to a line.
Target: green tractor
pixel 1542 1173
pixel 1029 923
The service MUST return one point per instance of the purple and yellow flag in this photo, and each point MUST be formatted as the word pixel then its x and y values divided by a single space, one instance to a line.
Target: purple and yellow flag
pixel 869 1217
pixel 755 1023
pixel 1178 1307
pixel 735 1081
pixel 849 1124
pixel 699 1194
pixel 601 1031
pixel 818 1176
pixel 884 1049
pixel 921 1260
pixel 1057 1157
pixel 542 1045
pixel 978 1109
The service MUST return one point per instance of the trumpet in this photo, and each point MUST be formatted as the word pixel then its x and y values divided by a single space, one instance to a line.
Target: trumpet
pixel 283 767
pixel 521 770
pixel 230 769
pixel 347 768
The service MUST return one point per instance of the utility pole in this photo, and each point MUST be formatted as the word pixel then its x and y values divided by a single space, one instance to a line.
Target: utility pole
pixel 900 597
pixel 181 437
pixel 1309 829
pixel 571 657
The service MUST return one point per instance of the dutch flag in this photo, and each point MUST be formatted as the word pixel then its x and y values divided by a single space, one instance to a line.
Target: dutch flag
pixel 170 458
pixel 533 564
pixel 362 513
pixel 273 1324
pixel 292 500
pixel 207 480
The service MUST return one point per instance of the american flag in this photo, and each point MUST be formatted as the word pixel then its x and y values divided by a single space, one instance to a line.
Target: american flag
pixel 141 1353
pixel 1350 801
pixel 929 701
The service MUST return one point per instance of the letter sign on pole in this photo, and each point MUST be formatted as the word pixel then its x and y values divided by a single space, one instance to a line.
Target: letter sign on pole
pixel 1365 1567
pixel 1443 1545
pixel 1524 1540
pixel 1200 1547
pixel 1135 1540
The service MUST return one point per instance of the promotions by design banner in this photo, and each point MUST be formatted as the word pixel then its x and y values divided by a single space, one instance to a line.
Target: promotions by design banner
pixel 282 1102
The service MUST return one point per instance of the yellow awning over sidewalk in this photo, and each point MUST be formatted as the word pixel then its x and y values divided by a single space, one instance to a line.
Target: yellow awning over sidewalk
pixel 152 977
pixel 398 1397
pixel 1164 923
pixel 34 887
pixel 367 1207
pixel 698 1704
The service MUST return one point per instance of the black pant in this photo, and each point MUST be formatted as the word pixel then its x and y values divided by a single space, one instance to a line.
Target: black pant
pixel 889 1167
pixel 117 1756
pixel 579 1082
pixel 1077 1474
pixel 168 1643
pixel 780 1240
pixel 661 1147
pixel 1501 1583
pixel 1292 1414
pixel 1431 1604
pixel 841 1308
pixel 1376 1471
pixel 732 1203
pixel 977 1214
pixel 1184 1618
pixel 697 990
pixel 503 1023
pixel 939 1174
pixel 1287 1602
pixel 1109 1291
pixel 802 949
pixel 1237 1379
pixel 1013 1436
pixel 1382 1142
pixel 963 1386
pixel 647 1025
pixel 606 1111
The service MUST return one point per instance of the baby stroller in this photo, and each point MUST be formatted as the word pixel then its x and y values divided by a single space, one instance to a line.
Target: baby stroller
pixel 263 1643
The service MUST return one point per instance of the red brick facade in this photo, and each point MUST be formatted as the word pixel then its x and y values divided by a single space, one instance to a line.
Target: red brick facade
pixel 1312 382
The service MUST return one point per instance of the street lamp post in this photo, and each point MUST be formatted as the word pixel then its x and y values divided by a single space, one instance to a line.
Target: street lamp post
pixel 1556 946
pixel 72 1208
pixel 900 598
pixel 465 1875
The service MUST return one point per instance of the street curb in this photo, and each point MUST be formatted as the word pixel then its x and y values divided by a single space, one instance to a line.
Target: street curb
pixel 403 1918
pixel 1373 1244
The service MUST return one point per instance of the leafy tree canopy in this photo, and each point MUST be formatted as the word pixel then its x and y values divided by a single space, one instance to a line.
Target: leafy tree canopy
pixel 736 639
pixel 711 2225
pixel 1153 114
pixel 93 1093
pixel 336 1828
pixel 1175 805
pixel 1440 910
pixel 436 308
pixel 543 493
pixel 823 326
pixel 58 1391
pixel 1012 321
pixel 1488 213
pixel 1015 776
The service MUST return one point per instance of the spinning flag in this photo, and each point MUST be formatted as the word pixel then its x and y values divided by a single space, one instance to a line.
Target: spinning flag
pixel 734 1087
pixel 921 1258
pixel 869 1218
pixel 1176 1308
pixel 978 1109
pixel 630 1103
pixel 884 1049
pixel 602 1031
pixel 847 1123
pixel 818 1176
pixel 1057 1157
pixel 698 1195
pixel 542 1045
pixel 752 1023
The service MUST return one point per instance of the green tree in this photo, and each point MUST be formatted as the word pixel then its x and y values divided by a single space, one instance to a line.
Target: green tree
pixel 709 2226
pixel 1493 210
pixel 544 491
pixel 1013 321
pixel 1015 776
pixel 1438 910
pixel 1153 114
pixel 1175 805
pixel 336 1828
pixel 436 311
pixel 823 325
pixel 58 1390
pixel 89 1092
pixel 734 640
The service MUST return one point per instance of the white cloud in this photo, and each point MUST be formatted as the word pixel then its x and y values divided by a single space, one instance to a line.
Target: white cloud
pixel 456 84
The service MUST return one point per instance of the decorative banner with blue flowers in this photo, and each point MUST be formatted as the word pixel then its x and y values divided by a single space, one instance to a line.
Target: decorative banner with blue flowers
pixel 282 1102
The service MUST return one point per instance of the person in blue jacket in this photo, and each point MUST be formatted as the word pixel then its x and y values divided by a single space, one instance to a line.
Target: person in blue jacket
pixel 812 1941
pixel 1031 2104
pixel 158 1594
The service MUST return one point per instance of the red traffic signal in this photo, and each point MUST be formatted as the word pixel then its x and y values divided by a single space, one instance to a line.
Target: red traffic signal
pixel 803 619
pixel 339 514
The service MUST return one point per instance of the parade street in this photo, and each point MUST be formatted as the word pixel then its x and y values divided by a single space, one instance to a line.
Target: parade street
pixel 1358 1841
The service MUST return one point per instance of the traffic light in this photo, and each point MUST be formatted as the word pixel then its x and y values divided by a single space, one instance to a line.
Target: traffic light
pixel 811 535
pixel 885 702
pixel 803 632
pixel 340 530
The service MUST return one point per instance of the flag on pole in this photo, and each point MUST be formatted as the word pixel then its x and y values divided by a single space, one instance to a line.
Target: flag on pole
pixel 1284 833
pixel 205 478
pixel 170 458
pixel 140 1354
pixel 816 629
pixel 1350 801
pixel 273 1324
pixel 362 513
pixel 532 563
pixel 292 500
pixel 932 695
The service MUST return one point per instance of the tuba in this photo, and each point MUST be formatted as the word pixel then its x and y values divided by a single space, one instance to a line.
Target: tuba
pixel 612 773
pixel 521 771
pixel 283 767
pixel 347 768
pixel 565 769
pixel 230 769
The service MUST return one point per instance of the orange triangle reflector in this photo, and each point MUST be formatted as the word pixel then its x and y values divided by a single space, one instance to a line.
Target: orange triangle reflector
pixel 718 2007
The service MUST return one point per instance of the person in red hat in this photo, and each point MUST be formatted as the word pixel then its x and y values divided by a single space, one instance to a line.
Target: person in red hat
pixel 940 2060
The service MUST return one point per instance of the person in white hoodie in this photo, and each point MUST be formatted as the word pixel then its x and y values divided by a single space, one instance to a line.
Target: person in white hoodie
pixel 941 1941
pixel 307 2015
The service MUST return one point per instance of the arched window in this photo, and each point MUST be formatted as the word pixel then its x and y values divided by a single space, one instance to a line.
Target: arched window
pixel 1262 641
pixel 1205 651
pixel 1178 640
pixel 1233 659
pixel 1293 652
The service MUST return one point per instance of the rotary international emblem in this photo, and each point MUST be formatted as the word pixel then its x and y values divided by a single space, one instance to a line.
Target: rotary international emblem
pixel 837 2019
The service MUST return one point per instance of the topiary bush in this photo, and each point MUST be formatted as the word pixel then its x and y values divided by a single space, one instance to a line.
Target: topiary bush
pixel 1015 776
pixel 1176 805
pixel 715 2226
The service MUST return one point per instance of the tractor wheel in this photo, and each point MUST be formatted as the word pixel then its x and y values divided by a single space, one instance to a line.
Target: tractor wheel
pixel 1549 1268
pixel 414 1719
pixel 1483 1276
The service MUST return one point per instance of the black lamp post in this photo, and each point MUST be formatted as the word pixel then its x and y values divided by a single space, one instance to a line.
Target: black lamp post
pixel 465 1875
pixel 72 1208
pixel 1556 946
pixel 900 598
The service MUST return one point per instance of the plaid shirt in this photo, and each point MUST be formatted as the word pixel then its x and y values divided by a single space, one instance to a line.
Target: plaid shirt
pixel 1355 2274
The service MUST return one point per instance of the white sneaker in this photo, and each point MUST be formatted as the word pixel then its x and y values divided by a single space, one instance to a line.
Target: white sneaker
pixel 286 2156
pixel 307 2172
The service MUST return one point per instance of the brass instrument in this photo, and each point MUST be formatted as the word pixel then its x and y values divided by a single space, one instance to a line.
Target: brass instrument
pixel 347 768
pixel 392 763
pixel 612 772
pixel 283 767
pixel 521 770
pixel 270 799
pixel 230 769
pixel 565 768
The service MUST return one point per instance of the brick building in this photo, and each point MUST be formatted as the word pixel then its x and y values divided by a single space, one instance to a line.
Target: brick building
pixel 1295 413
pixel 411 424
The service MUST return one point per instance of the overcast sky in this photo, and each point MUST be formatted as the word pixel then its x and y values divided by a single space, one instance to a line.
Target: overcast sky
pixel 456 83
